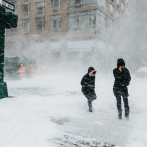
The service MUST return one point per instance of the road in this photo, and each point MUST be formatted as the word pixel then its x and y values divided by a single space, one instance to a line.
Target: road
pixel 50 111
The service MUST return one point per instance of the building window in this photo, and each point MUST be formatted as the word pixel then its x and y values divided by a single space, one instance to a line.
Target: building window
pixel 55 22
pixel 85 3
pixel 111 8
pixel 103 2
pixel 77 3
pixel 75 20
pixel 86 20
pixel 40 6
pixel 40 23
pixel 117 14
pixel 26 8
pixel 92 20
pixel 122 6
pixel 117 2
pixel 103 22
pixel 56 3
pixel 25 25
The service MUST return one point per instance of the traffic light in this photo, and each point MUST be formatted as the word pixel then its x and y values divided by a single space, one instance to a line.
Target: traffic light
pixel 2 10
pixel 1 43
pixel 7 19
pixel 1 20
pixel 14 21
pixel 10 20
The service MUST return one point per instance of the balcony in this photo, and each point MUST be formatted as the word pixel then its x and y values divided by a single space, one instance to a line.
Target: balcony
pixel 89 28
pixel 83 5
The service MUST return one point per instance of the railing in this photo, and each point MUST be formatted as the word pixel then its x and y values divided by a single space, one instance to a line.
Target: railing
pixel 90 27
pixel 81 5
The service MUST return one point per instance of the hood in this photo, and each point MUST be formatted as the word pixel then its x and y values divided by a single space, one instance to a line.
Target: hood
pixel 90 69
pixel 120 62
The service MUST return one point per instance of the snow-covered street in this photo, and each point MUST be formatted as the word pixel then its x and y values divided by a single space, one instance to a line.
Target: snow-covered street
pixel 51 111
pixel 64 66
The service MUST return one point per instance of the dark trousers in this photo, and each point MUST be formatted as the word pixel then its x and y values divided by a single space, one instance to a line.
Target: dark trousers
pixel 90 95
pixel 126 104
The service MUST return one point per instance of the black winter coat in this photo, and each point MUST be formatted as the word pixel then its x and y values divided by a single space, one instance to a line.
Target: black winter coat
pixel 122 80
pixel 88 83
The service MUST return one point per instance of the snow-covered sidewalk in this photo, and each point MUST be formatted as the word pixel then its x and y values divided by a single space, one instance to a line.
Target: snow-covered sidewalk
pixel 50 111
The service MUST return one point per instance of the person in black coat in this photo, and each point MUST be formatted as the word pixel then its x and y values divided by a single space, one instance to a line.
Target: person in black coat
pixel 88 86
pixel 122 80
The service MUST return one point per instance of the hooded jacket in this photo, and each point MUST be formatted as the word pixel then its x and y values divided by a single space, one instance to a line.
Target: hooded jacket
pixel 87 82
pixel 122 79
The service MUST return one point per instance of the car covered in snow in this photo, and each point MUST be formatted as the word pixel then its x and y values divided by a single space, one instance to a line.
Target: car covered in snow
pixel 141 72
pixel 13 63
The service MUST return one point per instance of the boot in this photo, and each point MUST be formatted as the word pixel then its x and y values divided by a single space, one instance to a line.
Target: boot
pixel 120 114
pixel 90 106
pixel 127 113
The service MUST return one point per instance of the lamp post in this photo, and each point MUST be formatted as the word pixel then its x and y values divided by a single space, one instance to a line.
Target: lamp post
pixel 7 20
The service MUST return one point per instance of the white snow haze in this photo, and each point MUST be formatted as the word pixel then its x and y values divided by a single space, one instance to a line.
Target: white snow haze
pixel 49 109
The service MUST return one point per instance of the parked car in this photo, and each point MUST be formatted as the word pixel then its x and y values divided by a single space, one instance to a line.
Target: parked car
pixel 13 63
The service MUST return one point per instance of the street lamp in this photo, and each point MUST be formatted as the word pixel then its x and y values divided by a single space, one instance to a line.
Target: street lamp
pixel 7 20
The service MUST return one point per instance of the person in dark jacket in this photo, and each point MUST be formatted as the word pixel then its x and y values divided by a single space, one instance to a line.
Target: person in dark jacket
pixel 122 80
pixel 88 86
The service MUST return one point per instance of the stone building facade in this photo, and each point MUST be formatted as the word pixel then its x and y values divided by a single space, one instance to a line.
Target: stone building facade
pixel 63 29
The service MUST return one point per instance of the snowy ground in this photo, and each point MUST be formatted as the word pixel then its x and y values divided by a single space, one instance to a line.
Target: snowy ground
pixel 50 111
